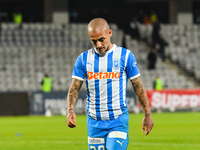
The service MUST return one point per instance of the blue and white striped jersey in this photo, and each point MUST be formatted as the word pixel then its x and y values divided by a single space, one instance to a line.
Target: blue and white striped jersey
pixel 106 78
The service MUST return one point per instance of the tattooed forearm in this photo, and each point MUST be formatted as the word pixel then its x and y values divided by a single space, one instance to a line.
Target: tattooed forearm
pixel 141 94
pixel 73 92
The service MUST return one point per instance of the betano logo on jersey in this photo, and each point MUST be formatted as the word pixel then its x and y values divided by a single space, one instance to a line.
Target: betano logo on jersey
pixel 103 75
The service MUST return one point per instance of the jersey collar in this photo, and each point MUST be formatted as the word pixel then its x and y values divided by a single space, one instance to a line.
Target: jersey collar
pixel 110 50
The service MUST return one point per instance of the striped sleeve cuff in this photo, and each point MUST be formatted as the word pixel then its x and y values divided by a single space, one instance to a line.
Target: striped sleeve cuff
pixel 133 77
pixel 79 78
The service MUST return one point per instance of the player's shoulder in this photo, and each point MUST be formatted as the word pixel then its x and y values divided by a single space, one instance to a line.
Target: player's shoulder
pixel 88 51
pixel 124 50
pixel 83 56
pixel 85 52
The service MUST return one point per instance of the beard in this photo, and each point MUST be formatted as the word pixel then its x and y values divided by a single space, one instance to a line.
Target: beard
pixel 107 49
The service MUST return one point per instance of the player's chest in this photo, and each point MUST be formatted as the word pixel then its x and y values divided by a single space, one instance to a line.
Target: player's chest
pixel 104 65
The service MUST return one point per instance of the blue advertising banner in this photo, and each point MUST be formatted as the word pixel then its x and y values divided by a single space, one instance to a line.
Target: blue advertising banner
pixel 56 102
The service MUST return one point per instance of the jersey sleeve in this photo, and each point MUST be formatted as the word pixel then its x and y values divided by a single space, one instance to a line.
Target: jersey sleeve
pixel 132 67
pixel 78 70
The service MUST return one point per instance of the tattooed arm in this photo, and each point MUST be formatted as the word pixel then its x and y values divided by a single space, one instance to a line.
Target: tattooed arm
pixel 143 100
pixel 72 98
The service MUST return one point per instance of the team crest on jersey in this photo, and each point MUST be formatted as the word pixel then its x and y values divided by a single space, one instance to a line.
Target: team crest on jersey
pixel 134 64
pixel 116 64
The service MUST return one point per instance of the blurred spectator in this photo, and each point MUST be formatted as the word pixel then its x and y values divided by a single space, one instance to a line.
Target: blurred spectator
pixel 134 25
pixel 143 18
pixel 157 84
pixel 74 14
pixel 155 33
pixel 162 43
pixel 46 83
pixel 17 18
pixel 146 20
pixel 152 57
pixel 158 38
pixel 197 16
pixel 153 16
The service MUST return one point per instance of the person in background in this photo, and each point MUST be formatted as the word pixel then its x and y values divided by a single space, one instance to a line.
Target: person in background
pixel 17 18
pixel 157 84
pixel 46 83
pixel 134 26
pixel 158 39
pixel 152 58
pixel 162 43
pixel 197 16
pixel 106 68
pixel 156 33
pixel 147 20
pixel 74 15
pixel 143 18
pixel 153 16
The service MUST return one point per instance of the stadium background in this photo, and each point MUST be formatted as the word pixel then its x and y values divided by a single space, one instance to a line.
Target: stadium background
pixel 49 41
pixel 53 33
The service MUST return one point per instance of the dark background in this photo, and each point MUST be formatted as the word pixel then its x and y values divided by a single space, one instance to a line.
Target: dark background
pixel 32 10
pixel 114 11
pixel 14 103
pixel 118 11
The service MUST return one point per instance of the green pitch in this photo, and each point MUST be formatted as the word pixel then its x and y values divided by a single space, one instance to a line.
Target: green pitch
pixel 172 131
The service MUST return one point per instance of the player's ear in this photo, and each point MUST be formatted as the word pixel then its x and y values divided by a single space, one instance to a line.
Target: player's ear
pixel 110 32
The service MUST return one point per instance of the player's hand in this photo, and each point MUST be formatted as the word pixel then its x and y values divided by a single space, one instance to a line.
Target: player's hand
pixel 71 119
pixel 147 124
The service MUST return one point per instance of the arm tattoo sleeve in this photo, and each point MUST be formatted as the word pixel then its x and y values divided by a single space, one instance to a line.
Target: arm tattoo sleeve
pixel 141 94
pixel 73 92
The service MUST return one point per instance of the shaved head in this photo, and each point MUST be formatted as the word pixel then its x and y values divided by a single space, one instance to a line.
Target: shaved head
pixel 98 24
pixel 100 34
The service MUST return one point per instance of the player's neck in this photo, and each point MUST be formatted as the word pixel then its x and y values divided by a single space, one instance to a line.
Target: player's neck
pixel 110 46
